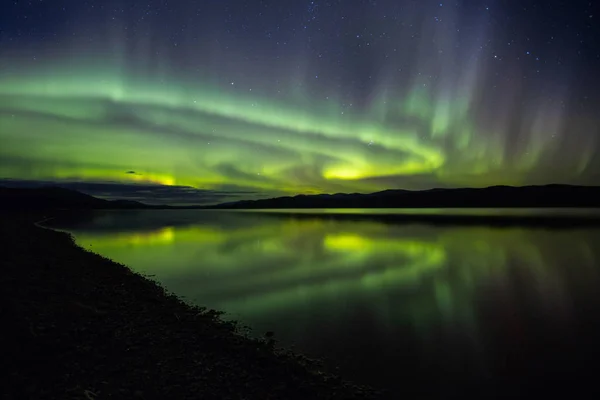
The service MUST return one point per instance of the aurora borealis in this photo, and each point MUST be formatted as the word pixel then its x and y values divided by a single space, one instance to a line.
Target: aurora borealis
pixel 199 102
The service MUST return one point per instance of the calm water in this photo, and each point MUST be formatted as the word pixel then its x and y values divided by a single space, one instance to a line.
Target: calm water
pixel 416 309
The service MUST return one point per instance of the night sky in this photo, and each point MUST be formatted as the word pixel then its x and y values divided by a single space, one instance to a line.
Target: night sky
pixel 181 101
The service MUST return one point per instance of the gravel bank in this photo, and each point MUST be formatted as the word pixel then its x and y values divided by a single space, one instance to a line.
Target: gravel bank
pixel 76 325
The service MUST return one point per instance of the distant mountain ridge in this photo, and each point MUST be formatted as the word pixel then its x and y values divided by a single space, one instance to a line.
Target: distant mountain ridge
pixel 490 197
pixel 53 197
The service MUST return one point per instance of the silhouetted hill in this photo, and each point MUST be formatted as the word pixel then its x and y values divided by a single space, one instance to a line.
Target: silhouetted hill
pixel 57 198
pixel 493 197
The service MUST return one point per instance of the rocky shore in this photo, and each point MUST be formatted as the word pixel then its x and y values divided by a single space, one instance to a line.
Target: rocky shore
pixel 76 325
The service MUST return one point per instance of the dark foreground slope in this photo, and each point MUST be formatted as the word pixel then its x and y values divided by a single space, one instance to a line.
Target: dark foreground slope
pixel 491 197
pixel 77 325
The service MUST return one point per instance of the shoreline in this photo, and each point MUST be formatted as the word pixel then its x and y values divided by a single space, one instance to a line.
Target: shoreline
pixel 78 325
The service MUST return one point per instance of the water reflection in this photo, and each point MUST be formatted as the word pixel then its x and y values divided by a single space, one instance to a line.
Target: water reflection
pixel 397 305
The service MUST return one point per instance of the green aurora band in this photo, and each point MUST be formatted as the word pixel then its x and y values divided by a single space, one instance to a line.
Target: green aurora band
pixel 100 117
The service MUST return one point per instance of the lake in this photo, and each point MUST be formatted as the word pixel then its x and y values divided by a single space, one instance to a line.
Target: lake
pixel 414 308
